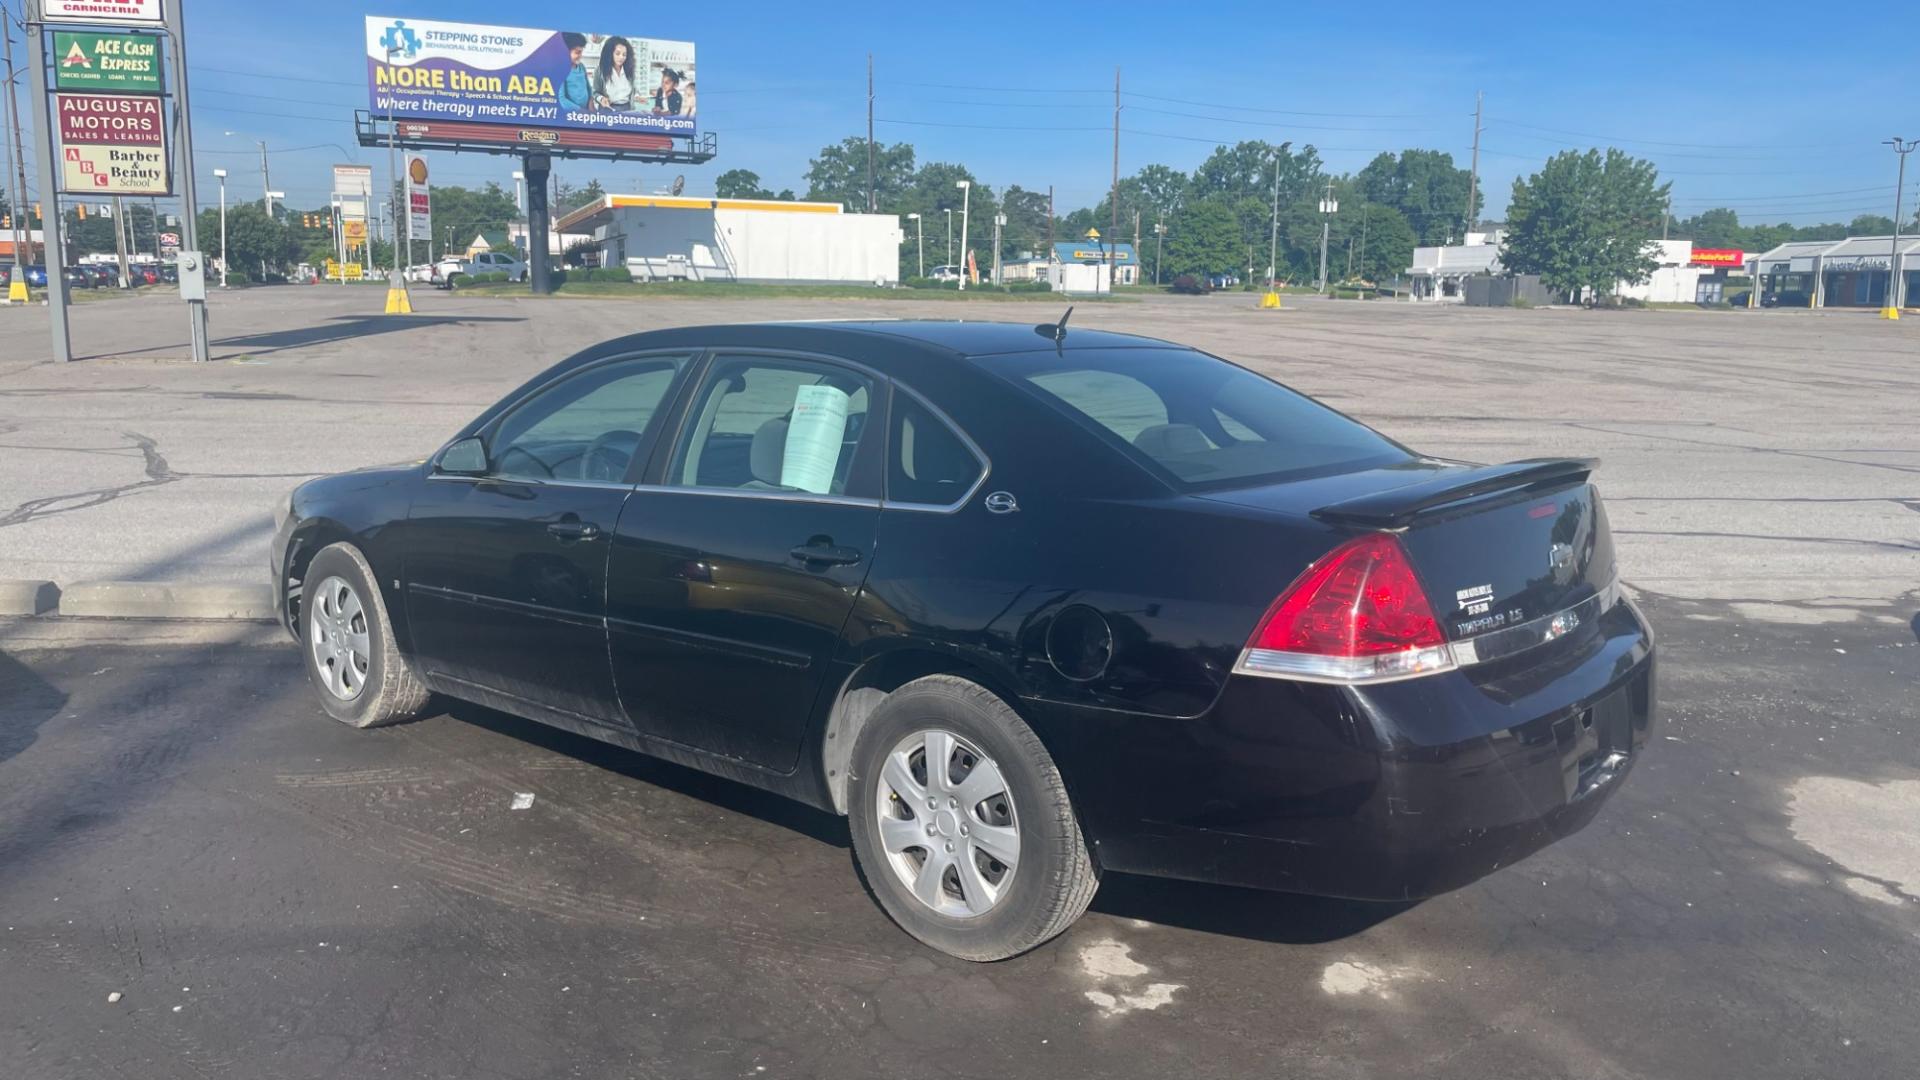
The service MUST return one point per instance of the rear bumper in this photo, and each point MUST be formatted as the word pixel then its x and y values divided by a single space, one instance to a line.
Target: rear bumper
pixel 1389 792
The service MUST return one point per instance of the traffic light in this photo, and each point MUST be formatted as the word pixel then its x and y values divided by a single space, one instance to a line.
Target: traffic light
pixel 81 210
pixel 6 221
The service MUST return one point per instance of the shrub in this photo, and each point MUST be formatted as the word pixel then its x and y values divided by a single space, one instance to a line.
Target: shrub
pixel 1189 285
pixel 1030 286
pixel 1520 302
pixel 558 277
pixel 237 277
pixel 928 283
pixel 458 280
pixel 610 274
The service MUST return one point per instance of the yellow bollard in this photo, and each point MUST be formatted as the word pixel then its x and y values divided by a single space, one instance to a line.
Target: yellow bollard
pixel 1271 300
pixel 398 303
pixel 17 290
pixel 1889 312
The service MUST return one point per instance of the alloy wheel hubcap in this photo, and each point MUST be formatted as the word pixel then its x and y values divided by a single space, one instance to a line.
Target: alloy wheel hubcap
pixel 947 823
pixel 337 633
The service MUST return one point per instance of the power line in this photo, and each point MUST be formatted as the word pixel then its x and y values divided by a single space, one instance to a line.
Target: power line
pixel 1285 112
pixel 982 127
pixel 1268 123
pixel 1679 145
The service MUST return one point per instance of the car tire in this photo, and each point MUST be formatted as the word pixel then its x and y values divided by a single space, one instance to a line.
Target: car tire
pixel 347 641
pixel 1052 878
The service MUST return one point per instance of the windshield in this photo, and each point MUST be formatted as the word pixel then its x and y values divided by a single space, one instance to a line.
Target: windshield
pixel 1197 421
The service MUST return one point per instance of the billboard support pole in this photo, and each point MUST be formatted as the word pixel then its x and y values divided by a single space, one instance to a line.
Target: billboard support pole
pixel 183 165
pixel 43 152
pixel 537 165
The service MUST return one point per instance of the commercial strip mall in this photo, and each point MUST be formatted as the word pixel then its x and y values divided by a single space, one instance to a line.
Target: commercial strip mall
pixel 1808 273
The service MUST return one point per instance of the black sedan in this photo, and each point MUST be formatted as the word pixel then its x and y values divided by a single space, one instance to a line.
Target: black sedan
pixel 1026 604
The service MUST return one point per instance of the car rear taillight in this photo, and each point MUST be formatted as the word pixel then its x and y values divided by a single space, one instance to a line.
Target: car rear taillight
pixel 1358 615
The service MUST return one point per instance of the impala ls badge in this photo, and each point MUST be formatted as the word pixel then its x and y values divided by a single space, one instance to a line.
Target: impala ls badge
pixel 1002 502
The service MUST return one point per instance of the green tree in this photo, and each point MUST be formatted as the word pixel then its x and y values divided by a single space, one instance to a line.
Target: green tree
pixel 1203 238
pixel 741 184
pixel 460 213
pixel 1027 221
pixel 1586 220
pixel 839 173
pixel 255 242
pixel 1427 188
pixel 1382 241
pixel 1716 228
pixel 1870 225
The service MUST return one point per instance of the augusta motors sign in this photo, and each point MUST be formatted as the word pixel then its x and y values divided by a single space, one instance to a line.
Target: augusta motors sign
pixel 112 144
pixel 117 12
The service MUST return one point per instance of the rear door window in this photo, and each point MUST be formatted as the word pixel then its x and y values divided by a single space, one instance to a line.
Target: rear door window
pixel 1197 421
pixel 774 424
pixel 928 463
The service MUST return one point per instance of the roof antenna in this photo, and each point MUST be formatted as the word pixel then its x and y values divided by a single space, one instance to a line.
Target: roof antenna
pixel 1057 332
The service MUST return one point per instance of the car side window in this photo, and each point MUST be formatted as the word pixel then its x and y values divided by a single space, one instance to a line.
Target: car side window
pixel 773 424
pixel 588 426
pixel 927 461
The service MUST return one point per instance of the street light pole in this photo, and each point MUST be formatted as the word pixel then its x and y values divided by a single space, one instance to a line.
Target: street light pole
pixel 1329 206
pixel 1159 235
pixel 966 202
pixel 949 212
pixel 221 175
pixel 1895 278
pixel 919 244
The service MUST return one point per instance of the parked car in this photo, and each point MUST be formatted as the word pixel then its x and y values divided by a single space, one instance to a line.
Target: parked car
pixel 36 276
pixel 421 274
pixel 944 273
pixel 143 274
pixel 1008 600
pixel 77 277
pixel 1222 281
pixel 444 270
pixel 499 262
pixel 6 274
pixel 105 275
pixel 169 274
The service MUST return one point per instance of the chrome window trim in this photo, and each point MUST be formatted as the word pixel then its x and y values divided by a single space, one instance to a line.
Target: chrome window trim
pixel 608 485
pixel 742 493
pixel 1416 663
pixel 986 463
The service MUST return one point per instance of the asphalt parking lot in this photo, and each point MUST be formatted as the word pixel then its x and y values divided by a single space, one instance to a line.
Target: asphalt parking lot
pixel 271 894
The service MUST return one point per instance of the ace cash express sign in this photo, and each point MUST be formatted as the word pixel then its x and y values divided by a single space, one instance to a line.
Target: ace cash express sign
pixel 112 144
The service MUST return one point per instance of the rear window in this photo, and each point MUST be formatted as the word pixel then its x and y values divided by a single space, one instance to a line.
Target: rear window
pixel 1197 421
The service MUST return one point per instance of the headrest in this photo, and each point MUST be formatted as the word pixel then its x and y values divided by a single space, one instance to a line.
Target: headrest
pixel 1171 440
pixel 769 451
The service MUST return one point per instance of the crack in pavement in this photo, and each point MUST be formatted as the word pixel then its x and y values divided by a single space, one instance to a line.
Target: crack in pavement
pixel 157 474
pixel 1808 454
pixel 1894 545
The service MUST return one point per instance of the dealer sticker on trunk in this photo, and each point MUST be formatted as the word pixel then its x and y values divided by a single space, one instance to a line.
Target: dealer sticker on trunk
pixel 1475 601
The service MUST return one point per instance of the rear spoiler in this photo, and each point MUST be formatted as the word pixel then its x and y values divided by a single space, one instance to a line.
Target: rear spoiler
pixel 1397 507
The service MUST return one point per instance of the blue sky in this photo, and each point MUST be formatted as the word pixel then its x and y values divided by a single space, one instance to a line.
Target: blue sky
pixel 1761 106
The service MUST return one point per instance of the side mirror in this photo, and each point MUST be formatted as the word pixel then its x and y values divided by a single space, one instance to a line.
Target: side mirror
pixel 468 457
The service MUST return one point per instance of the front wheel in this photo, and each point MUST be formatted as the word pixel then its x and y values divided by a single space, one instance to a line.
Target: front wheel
pixel 362 679
pixel 962 824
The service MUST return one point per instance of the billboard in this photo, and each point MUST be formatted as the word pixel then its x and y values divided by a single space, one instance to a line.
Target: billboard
pixel 111 144
pixel 119 12
pixel 127 63
pixel 610 89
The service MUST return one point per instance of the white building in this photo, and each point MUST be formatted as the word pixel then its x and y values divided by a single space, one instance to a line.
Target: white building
pixel 660 237
pixel 1440 273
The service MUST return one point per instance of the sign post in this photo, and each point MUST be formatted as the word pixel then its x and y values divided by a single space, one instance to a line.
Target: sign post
pixel 190 262
pixel 50 223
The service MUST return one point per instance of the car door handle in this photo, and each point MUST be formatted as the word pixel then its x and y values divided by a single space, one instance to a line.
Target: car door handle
pixel 828 554
pixel 574 530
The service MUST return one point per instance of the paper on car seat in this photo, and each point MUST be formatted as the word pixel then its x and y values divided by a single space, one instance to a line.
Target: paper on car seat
pixel 814 436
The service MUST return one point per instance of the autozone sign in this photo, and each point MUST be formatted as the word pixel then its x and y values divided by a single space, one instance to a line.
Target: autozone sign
pixel 112 144
pixel 117 12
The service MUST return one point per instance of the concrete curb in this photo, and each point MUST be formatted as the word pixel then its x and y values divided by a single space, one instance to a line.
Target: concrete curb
pixel 29 597
pixel 158 600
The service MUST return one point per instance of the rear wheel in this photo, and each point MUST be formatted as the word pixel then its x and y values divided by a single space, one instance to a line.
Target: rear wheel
pixel 962 823
pixel 362 679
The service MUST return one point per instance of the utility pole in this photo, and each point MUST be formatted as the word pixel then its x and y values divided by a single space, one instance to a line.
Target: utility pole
pixel 120 241
pixel 1113 230
pixel 1329 206
pixel 16 174
pixel 1895 277
pixel 1159 235
pixel 1049 221
pixel 998 221
pixel 266 182
pixel 53 250
pixel 1473 176
pixel 870 200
